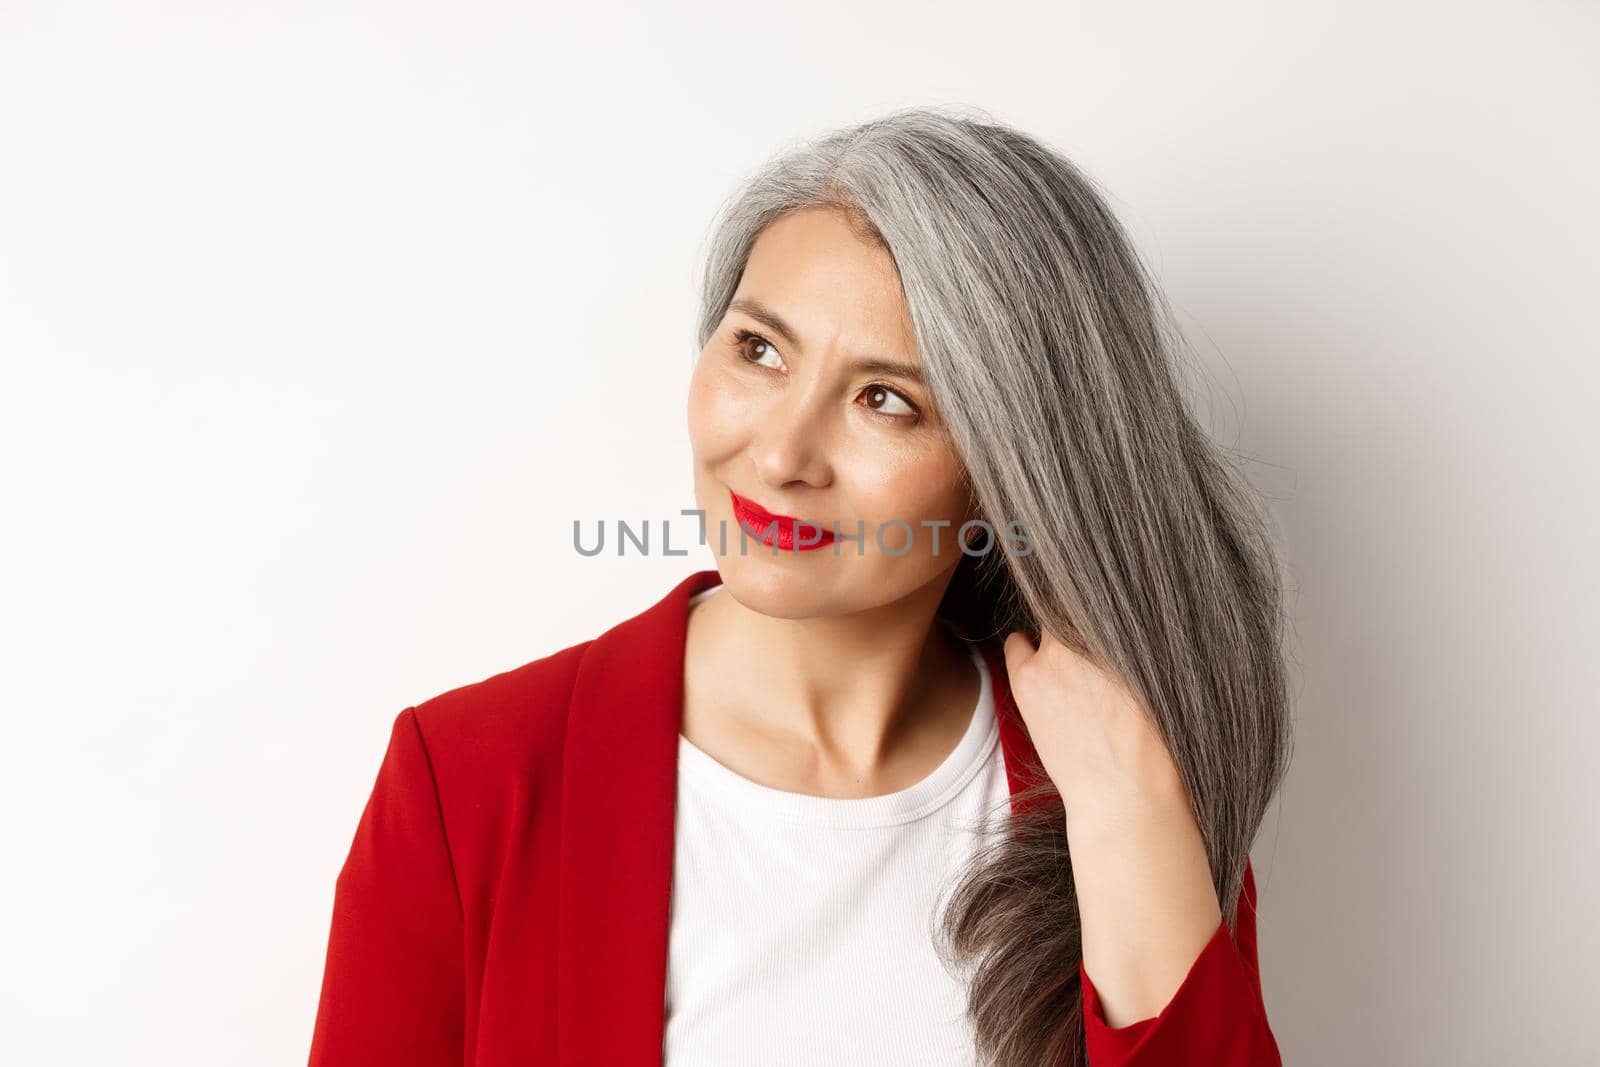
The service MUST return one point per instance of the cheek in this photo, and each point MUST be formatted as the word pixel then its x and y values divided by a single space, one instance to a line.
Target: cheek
pixel 913 487
pixel 714 411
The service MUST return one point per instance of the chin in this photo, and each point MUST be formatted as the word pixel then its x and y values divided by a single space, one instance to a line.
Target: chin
pixel 787 586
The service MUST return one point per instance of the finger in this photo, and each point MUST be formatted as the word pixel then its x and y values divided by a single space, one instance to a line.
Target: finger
pixel 1048 641
pixel 1018 649
pixel 1058 651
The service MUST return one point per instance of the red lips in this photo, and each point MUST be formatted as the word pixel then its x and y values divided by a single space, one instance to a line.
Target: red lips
pixel 765 526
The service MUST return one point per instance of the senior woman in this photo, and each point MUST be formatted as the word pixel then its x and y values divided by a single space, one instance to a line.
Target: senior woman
pixel 864 793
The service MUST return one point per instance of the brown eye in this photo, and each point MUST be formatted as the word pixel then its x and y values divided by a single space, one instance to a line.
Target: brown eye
pixel 753 348
pixel 886 401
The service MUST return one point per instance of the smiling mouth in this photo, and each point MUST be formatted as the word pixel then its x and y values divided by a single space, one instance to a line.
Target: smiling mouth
pixel 786 532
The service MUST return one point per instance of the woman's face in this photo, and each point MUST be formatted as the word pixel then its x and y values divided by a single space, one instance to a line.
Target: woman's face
pixel 782 412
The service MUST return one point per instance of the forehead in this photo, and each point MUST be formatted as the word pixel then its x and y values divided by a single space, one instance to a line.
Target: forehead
pixel 833 286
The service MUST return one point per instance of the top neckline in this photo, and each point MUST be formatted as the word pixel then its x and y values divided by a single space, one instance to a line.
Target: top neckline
pixel 698 769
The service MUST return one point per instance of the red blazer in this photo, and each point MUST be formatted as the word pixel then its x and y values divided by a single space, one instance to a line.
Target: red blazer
pixel 505 899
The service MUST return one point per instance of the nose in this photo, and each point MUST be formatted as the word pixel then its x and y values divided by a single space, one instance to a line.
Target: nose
pixel 791 441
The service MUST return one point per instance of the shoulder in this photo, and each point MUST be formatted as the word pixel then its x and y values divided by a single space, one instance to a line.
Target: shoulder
pixel 518 715
pixel 511 729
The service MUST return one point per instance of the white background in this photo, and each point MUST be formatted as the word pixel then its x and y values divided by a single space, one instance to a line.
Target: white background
pixel 321 323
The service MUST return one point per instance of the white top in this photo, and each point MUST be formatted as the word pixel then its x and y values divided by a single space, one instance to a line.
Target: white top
pixel 803 927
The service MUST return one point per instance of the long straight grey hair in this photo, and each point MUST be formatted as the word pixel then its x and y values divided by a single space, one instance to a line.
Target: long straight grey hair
pixel 1051 358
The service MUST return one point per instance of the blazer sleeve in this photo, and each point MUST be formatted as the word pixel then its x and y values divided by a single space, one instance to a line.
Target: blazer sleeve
pixel 1217 1018
pixel 394 981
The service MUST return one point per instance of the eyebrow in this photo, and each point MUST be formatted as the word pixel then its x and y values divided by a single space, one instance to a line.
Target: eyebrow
pixel 773 321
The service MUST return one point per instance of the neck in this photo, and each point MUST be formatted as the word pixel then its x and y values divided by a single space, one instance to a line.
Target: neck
pixel 873 696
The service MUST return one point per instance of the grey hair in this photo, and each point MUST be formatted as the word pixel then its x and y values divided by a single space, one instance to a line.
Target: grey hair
pixel 1051 356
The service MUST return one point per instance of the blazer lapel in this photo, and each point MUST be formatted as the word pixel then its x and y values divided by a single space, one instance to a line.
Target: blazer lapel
pixel 618 794
pixel 618 800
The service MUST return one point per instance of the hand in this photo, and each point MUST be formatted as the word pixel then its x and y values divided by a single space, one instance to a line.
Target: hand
pixel 1146 901
pixel 1097 742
